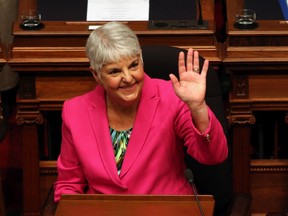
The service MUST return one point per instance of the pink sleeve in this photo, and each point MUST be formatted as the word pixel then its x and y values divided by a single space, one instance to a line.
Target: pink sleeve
pixel 209 147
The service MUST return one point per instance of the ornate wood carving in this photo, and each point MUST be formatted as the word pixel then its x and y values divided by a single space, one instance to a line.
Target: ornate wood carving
pixel 48 168
pixel 241 119
pixel 27 87
pixel 269 166
pixel 240 86
pixel 261 169
pixel 31 117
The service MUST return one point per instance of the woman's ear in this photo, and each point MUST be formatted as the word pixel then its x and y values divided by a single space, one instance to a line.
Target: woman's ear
pixel 95 75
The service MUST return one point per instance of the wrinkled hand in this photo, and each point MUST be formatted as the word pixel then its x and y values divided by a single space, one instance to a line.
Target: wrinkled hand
pixel 191 86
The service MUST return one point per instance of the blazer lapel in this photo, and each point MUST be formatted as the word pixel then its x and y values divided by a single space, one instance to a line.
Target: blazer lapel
pixel 144 118
pixel 99 122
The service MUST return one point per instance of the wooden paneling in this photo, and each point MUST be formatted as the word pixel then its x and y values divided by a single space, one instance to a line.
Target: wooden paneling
pixel 257 62
pixel 48 175
pixel 67 87
pixel 65 41
pixel 269 180
pixel 232 7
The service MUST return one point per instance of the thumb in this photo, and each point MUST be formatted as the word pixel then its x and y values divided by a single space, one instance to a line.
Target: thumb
pixel 174 79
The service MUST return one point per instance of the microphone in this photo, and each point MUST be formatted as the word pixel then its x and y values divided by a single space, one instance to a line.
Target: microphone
pixel 190 178
pixel 200 18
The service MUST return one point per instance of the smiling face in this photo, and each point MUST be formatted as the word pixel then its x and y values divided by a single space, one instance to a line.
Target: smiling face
pixel 122 81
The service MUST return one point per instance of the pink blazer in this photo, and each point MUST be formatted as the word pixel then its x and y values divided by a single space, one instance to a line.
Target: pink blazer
pixel 154 161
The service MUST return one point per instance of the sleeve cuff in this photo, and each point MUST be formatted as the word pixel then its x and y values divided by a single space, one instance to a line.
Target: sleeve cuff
pixel 206 133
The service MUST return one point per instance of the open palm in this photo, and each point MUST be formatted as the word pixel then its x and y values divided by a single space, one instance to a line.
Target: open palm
pixel 191 86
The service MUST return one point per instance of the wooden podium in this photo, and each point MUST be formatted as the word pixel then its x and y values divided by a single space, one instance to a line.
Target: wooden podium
pixel 136 205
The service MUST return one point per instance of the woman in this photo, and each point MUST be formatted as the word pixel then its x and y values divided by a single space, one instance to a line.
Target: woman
pixel 127 136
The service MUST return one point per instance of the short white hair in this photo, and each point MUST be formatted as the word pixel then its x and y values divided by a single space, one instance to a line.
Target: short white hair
pixel 110 43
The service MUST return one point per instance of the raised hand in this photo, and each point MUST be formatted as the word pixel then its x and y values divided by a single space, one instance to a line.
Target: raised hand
pixel 191 86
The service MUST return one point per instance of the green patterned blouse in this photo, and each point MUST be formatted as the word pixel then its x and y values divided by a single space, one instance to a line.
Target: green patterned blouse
pixel 120 141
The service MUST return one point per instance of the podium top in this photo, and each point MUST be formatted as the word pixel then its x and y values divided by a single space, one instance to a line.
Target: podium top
pixel 136 205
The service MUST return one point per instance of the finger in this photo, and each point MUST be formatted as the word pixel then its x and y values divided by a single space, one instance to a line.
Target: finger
pixel 181 63
pixel 174 80
pixel 205 68
pixel 196 61
pixel 189 60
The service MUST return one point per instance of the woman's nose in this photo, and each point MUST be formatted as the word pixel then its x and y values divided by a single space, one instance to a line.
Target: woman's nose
pixel 127 76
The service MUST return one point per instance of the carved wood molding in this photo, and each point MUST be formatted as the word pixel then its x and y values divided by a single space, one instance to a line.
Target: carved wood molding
pixel 240 86
pixel 241 119
pixel 27 87
pixel 48 171
pixel 271 169
pixel 29 117
pixel 269 166
pixel 48 168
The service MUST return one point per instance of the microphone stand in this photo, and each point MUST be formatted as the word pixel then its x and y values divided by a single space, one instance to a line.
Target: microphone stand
pixel 197 200
pixel 190 178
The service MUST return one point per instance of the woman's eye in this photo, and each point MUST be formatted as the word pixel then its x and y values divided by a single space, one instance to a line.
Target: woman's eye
pixel 114 72
pixel 134 65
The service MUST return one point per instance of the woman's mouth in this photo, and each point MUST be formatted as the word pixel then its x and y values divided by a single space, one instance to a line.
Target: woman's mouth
pixel 128 87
